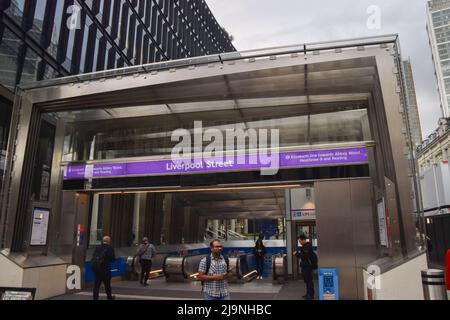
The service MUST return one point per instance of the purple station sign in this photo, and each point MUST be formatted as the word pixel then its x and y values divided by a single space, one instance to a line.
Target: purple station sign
pixel 282 160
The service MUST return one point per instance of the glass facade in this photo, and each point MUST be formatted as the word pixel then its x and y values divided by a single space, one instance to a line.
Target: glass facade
pixel 413 112
pixel 43 39
pixel 147 130
pixel 85 36
pixel 438 26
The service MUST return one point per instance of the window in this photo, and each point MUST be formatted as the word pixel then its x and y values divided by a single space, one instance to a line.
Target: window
pixel 70 44
pixel 95 56
pixel 44 162
pixel 9 51
pixel 15 10
pixel 84 44
pixel 38 22
pixel 53 48
pixel 30 67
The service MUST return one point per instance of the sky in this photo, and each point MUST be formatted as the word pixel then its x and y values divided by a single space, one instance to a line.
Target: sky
pixel 258 24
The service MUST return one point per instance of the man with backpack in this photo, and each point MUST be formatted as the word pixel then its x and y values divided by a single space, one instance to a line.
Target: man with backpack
pixel 213 271
pixel 308 264
pixel 145 252
pixel 101 267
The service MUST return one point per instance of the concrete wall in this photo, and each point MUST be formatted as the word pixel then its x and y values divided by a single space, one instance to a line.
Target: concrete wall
pixel 49 281
pixel 401 283
pixel 11 274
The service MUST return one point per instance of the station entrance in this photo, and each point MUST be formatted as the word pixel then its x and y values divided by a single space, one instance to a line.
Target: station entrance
pixel 181 224
pixel 302 139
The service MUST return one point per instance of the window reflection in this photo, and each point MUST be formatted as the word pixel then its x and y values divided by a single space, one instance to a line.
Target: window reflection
pixel 9 51
pixel 30 67
pixel 38 21
pixel 14 9
pixel 147 130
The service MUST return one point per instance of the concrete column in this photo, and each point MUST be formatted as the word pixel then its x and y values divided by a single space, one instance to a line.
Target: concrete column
pixel 215 227
pixel 290 239
pixel 187 230
pixel 167 217
pixel 142 219
pixel 106 214
pixel 200 235
pixel 245 226
pixel 233 225
pixel 136 217
pixel 226 229
pixel 94 221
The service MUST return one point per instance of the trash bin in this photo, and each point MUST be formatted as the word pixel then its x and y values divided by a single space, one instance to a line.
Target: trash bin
pixel 433 282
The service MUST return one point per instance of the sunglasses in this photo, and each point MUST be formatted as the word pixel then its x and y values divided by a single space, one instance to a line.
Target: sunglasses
pixel 217 246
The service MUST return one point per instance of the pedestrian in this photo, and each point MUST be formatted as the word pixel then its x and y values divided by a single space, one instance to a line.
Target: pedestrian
pixel 146 252
pixel 101 261
pixel 260 251
pixel 213 271
pixel 308 264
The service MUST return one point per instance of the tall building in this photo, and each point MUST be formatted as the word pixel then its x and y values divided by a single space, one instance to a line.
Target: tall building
pixel 44 39
pixel 413 111
pixel 438 27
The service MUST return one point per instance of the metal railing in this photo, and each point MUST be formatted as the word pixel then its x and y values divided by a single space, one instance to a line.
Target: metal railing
pixel 221 234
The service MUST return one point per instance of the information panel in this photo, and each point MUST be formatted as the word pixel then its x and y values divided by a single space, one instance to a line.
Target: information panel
pixel 328 284
pixel 40 227
pixel 382 223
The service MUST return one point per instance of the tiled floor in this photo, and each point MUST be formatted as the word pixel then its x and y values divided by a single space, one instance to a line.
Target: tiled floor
pixel 159 289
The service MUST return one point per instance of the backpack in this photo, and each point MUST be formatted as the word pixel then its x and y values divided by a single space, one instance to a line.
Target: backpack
pixel 98 261
pixel 208 265
pixel 314 260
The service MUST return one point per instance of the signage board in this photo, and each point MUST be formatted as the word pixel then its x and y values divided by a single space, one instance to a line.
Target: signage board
pixel 293 159
pixel 304 214
pixel 40 227
pixel 328 284
pixel 382 223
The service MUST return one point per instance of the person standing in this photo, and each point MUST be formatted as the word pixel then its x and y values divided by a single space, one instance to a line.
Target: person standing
pixel 260 251
pixel 145 252
pixel 101 261
pixel 213 271
pixel 308 264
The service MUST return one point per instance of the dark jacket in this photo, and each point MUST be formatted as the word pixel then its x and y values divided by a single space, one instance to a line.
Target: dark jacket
pixel 260 249
pixel 109 256
pixel 304 254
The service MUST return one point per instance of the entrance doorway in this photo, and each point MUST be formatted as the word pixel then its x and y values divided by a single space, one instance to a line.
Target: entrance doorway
pixel 307 228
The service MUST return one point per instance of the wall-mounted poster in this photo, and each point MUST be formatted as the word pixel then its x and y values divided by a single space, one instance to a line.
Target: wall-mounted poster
pixel 382 223
pixel 40 227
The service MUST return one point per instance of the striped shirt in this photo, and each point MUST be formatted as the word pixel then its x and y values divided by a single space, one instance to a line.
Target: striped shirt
pixel 146 251
pixel 216 288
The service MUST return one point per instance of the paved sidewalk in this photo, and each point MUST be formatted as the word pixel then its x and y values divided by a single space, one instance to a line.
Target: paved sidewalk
pixel 159 289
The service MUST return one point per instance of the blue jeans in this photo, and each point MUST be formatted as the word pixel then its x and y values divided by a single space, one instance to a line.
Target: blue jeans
pixel 208 297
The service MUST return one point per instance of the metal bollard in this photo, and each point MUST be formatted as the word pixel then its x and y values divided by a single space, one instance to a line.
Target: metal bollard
pixel 433 282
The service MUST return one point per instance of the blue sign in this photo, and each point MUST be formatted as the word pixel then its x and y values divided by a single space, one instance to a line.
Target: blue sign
pixel 328 284
pixel 269 229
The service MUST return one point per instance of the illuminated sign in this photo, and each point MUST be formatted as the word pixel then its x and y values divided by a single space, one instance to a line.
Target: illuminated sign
pixel 295 159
